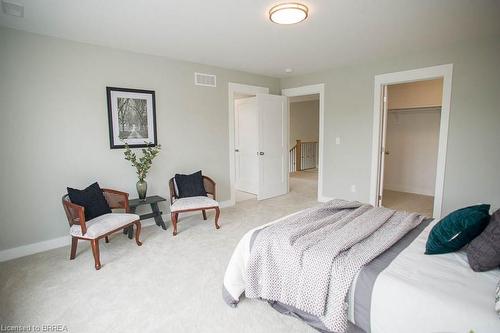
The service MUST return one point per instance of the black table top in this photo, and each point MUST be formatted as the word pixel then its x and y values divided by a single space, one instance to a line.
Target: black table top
pixel 149 200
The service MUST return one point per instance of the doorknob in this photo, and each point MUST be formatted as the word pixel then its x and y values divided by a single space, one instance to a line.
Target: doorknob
pixel 236 150
pixel 261 153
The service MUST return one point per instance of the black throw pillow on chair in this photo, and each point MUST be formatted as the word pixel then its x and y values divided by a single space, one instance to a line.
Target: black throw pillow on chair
pixel 190 185
pixel 92 199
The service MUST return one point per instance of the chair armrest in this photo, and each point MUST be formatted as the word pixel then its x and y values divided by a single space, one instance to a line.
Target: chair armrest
pixel 75 214
pixel 116 199
pixel 171 186
pixel 209 185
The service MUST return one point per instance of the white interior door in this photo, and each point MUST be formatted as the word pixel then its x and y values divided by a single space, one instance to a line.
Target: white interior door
pixel 246 145
pixel 273 145
pixel 383 148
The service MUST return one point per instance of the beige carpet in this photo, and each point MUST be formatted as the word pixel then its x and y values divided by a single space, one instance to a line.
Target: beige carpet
pixel 170 284
pixel 242 196
pixel 410 202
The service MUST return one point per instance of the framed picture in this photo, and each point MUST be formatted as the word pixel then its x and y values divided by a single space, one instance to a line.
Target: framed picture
pixel 132 117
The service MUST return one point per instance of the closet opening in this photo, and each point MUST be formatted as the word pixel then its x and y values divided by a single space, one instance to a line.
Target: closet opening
pixel 410 145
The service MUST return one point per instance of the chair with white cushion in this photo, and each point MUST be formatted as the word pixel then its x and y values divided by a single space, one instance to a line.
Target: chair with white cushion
pixel 182 205
pixel 101 226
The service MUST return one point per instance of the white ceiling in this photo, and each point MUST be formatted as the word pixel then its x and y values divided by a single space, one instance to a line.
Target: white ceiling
pixel 237 34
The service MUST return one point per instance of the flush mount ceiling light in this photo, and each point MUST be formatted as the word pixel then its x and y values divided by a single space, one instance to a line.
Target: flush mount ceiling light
pixel 288 13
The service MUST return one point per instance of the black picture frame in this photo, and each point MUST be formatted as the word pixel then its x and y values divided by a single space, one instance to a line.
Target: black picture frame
pixel 128 108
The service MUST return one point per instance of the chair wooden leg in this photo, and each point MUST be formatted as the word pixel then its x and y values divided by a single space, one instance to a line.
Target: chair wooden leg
pixel 137 232
pixel 95 251
pixel 106 239
pixel 204 214
pixel 173 217
pixel 74 244
pixel 217 213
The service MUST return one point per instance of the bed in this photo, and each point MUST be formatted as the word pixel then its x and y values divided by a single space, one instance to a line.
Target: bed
pixel 400 290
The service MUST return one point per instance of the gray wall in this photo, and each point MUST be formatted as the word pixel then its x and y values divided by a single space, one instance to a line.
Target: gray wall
pixel 54 129
pixel 54 126
pixel 472 167
pixel 304 121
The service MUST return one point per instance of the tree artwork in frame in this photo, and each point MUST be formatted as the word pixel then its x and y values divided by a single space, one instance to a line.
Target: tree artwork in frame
pixel 132 117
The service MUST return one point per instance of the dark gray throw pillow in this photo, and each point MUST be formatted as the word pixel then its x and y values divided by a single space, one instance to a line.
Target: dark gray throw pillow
pixel 91 199
pixel 190 185
pixel 484 250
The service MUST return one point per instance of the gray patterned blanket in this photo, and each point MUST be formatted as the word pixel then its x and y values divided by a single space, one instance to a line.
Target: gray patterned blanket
pixel 309 260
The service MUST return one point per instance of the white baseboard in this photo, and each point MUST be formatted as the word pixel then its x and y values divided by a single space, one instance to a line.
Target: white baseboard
pixel 26 250
pixel 226 203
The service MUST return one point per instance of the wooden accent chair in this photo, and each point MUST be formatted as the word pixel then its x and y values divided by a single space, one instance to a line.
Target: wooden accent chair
pixel 182 205
pixel 101 226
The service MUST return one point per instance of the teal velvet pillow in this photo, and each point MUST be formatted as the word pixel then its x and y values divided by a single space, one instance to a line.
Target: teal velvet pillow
pixel 457 229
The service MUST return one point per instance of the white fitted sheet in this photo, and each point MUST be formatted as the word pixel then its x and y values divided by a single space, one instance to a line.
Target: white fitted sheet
pixel 433 293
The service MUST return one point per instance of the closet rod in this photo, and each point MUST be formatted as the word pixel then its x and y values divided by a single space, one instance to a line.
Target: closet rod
pixel 427 108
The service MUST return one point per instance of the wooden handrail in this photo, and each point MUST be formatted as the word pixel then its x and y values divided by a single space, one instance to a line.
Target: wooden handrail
pixel 302 142
pixel 298 155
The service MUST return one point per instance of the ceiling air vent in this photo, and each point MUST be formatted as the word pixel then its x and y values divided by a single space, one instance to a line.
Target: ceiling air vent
pixel 207 80
pixel 13 9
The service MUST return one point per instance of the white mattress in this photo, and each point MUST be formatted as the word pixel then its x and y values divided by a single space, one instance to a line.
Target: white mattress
pixel 433 293
pixel 416 293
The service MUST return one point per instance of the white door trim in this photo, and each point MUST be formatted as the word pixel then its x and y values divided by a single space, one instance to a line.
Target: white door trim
pixel 441 71
pixel 232 89
pixel 309 90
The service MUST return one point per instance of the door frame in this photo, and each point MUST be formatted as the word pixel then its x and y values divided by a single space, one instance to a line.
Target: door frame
pixel 421 74
pixel 232 89
pixel 309 90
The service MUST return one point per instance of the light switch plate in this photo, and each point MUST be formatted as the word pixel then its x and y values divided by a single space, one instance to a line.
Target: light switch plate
pixel 337 140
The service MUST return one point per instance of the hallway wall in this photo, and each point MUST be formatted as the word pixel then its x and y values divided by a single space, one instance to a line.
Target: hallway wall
pixel 304 121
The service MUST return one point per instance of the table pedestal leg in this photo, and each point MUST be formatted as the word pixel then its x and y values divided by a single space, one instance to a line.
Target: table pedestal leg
pixel 157 216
